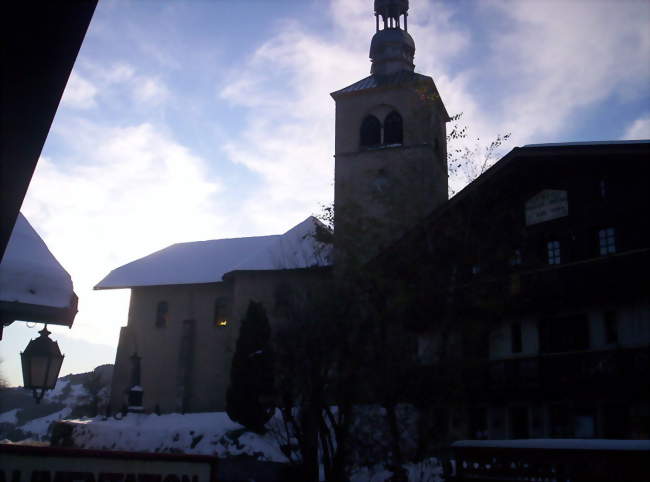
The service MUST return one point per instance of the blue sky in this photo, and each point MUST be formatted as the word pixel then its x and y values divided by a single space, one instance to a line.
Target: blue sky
pixel 189 120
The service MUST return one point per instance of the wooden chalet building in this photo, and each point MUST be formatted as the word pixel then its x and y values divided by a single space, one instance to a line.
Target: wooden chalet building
pixel 530 295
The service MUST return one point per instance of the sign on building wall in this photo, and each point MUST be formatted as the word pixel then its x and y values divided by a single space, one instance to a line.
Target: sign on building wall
pixel 547 205
pixel 21 463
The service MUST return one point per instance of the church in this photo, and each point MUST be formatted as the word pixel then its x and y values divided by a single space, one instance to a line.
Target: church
pixel 528 291
pixel 187 300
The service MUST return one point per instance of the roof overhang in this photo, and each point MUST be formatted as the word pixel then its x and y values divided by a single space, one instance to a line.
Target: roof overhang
pixel 40 43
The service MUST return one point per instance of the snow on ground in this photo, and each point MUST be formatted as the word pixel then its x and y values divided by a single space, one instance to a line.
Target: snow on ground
pixel 39 426
pixel 196 433
pixel 210 433
pixel 33 421
pixel 429 470
pixel 10 416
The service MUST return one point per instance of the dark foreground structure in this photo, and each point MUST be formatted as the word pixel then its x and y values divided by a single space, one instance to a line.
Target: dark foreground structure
pixel 551 460
pixel 529 292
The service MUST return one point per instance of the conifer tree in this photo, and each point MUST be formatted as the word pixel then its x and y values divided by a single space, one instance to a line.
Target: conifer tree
pixel 250 394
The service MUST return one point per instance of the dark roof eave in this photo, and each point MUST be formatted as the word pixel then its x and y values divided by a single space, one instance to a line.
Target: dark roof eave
pixel 16 311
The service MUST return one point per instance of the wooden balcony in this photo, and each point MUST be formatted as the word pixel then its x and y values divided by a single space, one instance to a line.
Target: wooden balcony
pixel 587 372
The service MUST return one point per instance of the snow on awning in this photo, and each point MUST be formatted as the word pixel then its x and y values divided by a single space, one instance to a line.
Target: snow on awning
pixel 208 261
pixel 33 284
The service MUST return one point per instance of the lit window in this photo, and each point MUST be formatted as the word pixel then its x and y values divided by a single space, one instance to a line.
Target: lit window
pixel 162 311
pixel 553 250
pixel 222 323
pixel 607 241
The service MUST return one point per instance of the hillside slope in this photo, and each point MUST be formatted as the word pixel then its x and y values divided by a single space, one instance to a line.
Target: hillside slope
pixel 75 395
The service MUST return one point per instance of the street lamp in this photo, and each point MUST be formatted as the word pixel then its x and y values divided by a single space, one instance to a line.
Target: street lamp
pixel 41 362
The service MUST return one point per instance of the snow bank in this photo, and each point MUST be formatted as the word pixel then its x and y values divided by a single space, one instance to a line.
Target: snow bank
pixel 429 470
pixel 39 427
pixel 10 417
pixel 197 433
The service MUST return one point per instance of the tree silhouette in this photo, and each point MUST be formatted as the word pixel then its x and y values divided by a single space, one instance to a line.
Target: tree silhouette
pixel 249 399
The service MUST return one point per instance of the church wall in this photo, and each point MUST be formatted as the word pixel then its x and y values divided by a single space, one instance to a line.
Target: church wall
pixel 263 286
pixel 172 381
pixel 182 362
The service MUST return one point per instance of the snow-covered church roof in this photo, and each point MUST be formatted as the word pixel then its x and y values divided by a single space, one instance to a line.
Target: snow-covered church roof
pixel 209 261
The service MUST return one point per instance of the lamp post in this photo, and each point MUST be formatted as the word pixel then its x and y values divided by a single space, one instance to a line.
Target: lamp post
pixel 41 363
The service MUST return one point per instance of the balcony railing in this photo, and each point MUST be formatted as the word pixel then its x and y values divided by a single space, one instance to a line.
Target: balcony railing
pixel 577 369
pixel 550 461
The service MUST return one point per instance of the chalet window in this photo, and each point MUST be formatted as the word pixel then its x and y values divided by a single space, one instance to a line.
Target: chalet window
pixel 567 333
pixel 559 421
pixel 162 311
pixel 519 422
pixel 607 241
pixel 611 327
pixel 370 132
pixel 553 252
pixel 585 423
pixel 515 259
pixel 515 337
pixel 478 425
pixel 393 129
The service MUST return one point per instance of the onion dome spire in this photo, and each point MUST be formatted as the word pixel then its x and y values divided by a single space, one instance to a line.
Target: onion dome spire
pixel 392 48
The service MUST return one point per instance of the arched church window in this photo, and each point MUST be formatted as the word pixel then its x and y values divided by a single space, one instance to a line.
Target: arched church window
pixel 162 310
pixel 370 131
pixel 393 129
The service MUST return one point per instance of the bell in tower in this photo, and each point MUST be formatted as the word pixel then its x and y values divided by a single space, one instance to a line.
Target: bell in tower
pixel 392 48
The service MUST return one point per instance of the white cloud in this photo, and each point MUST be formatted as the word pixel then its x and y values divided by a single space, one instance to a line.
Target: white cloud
pixel 79 93
pixel 123 193
pixel 558 57
pixel 639 129
pixel 546 61
pixel 122 80
pixel 289 139
pixel 150 90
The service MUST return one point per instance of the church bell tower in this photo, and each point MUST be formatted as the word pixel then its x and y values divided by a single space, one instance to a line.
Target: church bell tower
pixel 390 147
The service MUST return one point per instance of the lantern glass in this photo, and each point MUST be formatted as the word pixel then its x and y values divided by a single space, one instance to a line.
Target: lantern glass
pixel 41 363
